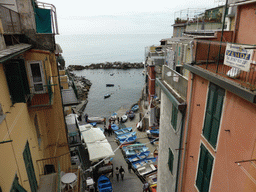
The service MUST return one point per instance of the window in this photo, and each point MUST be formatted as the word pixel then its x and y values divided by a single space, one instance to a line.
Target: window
pixel 30 168
pixel 16 77
pixel 37 81
pixel 174 117
pixel 170 160
pixel 204 170
pixel 213 114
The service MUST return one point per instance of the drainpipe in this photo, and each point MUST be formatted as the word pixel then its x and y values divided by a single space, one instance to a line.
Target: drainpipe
pixel 187 126
pixel 180 151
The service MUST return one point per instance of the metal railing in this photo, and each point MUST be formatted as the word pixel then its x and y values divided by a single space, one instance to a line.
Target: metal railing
pixel 10 20
pixel 53 15
pixel 210 56
pixel 175 80
pixel 52 163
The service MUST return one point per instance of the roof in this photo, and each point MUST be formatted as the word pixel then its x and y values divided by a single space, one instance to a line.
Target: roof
pixel 13 50
pixel 69 97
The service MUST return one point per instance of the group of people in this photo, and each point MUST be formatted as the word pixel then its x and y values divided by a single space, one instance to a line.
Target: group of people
pixel 121 172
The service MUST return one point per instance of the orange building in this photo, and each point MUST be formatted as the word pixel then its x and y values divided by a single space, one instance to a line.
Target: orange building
pixel 220 135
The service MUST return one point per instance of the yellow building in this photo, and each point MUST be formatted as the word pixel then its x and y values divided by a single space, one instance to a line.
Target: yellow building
pixel 33 135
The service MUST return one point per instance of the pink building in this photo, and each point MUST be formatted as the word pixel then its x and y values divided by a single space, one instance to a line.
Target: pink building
pixel 220 135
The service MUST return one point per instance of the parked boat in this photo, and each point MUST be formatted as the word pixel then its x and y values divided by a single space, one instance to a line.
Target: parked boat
pixel 111 74
pixel 138 156
pixel 104 184
pixel 143 162
pixel 130 114
pixel 95 120
pixel 123 131
pixel 153 134
pixel 135 108
pixel 126 135
pixel 113 116
pixel 106 96
pixel 110 85
pixel 94 124
pixel 131 139
pixel 151 178
pixel 146 169
pixel 134 149
pixel 124 118
pixel 114 127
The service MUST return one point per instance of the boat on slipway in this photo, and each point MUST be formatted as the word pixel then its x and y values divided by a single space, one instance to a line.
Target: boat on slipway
pixel 127 140
pixel 138 156
pixel 104 184
pixel 123 131
pixel 143 162
pixel 107 96
pixel 134 149
pixel 114 127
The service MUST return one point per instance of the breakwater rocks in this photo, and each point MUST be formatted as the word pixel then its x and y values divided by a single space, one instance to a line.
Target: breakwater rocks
pixel 108 65
pixel 82 85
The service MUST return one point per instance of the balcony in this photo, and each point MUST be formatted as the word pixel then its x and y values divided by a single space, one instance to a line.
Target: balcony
pixel 239 78
pixel 10 21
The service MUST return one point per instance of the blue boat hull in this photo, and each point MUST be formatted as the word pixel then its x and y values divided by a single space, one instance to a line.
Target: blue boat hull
pixel 104 184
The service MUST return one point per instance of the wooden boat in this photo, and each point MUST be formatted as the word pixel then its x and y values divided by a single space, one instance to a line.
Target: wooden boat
pixel 94 124
pixel 126 135
pixel 104 184
pixel 130 114
pixel 138 156
pixel 124 118
pixel 134 149
pixel 111 74
pixel 131 139
pixel 113 116
pixel 135 108
pixel 106 96
pixel 146 169
pixel 153 134
pixel 151 178
pixel 110 85
pixel 143 162
pixel 123 131
pixel 95 120
pixel 114 127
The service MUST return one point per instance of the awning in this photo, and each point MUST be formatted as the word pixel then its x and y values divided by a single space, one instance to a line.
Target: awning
pixel 69 97
pixel 91 135
pixel 72 125
pixel 13 50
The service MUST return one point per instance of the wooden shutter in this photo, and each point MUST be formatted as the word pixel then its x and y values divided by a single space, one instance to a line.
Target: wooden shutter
pixel 170 161
pixel 30 168
pixel 174 117
pixel 16 187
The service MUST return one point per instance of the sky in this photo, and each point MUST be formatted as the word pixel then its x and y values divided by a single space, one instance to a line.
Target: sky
pixel 121 17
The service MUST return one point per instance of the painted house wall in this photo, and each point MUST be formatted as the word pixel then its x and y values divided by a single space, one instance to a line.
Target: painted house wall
pixel 169 138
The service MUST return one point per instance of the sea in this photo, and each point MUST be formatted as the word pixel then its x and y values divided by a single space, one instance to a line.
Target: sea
pixel 85 49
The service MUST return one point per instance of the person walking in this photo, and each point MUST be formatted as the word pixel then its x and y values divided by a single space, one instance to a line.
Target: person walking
pixel 129 167
pixel 121 171
pixel 146 187
pixel 117 173
pixel 118 120
pixel 109 130
pixel 105 130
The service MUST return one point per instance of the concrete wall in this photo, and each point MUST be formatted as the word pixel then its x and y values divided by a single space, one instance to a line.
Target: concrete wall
pixel 169 138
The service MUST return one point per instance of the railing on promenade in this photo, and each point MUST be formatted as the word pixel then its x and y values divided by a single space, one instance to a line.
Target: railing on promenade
pixel 175 80
pixel 210 56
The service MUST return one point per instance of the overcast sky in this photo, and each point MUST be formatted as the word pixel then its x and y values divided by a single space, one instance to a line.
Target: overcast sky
pixel 121 17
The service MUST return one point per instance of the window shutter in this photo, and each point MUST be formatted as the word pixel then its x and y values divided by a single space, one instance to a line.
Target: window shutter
pixel 174 117
pixel 170 161
pixel 200 172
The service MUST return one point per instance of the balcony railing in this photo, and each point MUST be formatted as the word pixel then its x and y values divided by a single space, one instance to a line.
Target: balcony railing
pixel 175 80
pixel 10 21
pixel 210 56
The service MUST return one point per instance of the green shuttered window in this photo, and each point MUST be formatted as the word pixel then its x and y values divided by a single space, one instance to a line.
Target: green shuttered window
pixel 16 187
pixel 30 168
pixel 204 170
pixel 213 114
pixel 174 117
pixel 170 160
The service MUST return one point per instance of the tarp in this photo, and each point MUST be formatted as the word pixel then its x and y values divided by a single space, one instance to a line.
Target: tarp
pixel 96 142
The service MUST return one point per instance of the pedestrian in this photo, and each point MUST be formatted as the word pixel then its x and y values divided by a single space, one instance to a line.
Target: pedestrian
pixel 129 167
pixel 146 187
pixel 117 173
pixel 109 129
pixel 118 120
pixel 121 171
pixel 86 117
pixel 79 117
pixel 105 130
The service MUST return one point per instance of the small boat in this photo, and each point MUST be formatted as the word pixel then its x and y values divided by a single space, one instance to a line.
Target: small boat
pixel 113 116
pixel 104 184
pixel 94 124
pixel 114 127
pixel 124 118
pixel 134 149
pixel 130 114
pixel 135 108
pixel 106 96
pixel 111 74
pixel 95 120
pixel 110 85
pixel 123 131
pixel 143 162
pixel 152 178
pixel 146 169
pixel 131 139
pixel 138 156
pixel 153 134
pixel 126 135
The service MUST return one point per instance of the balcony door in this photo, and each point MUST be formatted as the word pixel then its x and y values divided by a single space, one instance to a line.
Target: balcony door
pixel 37 80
